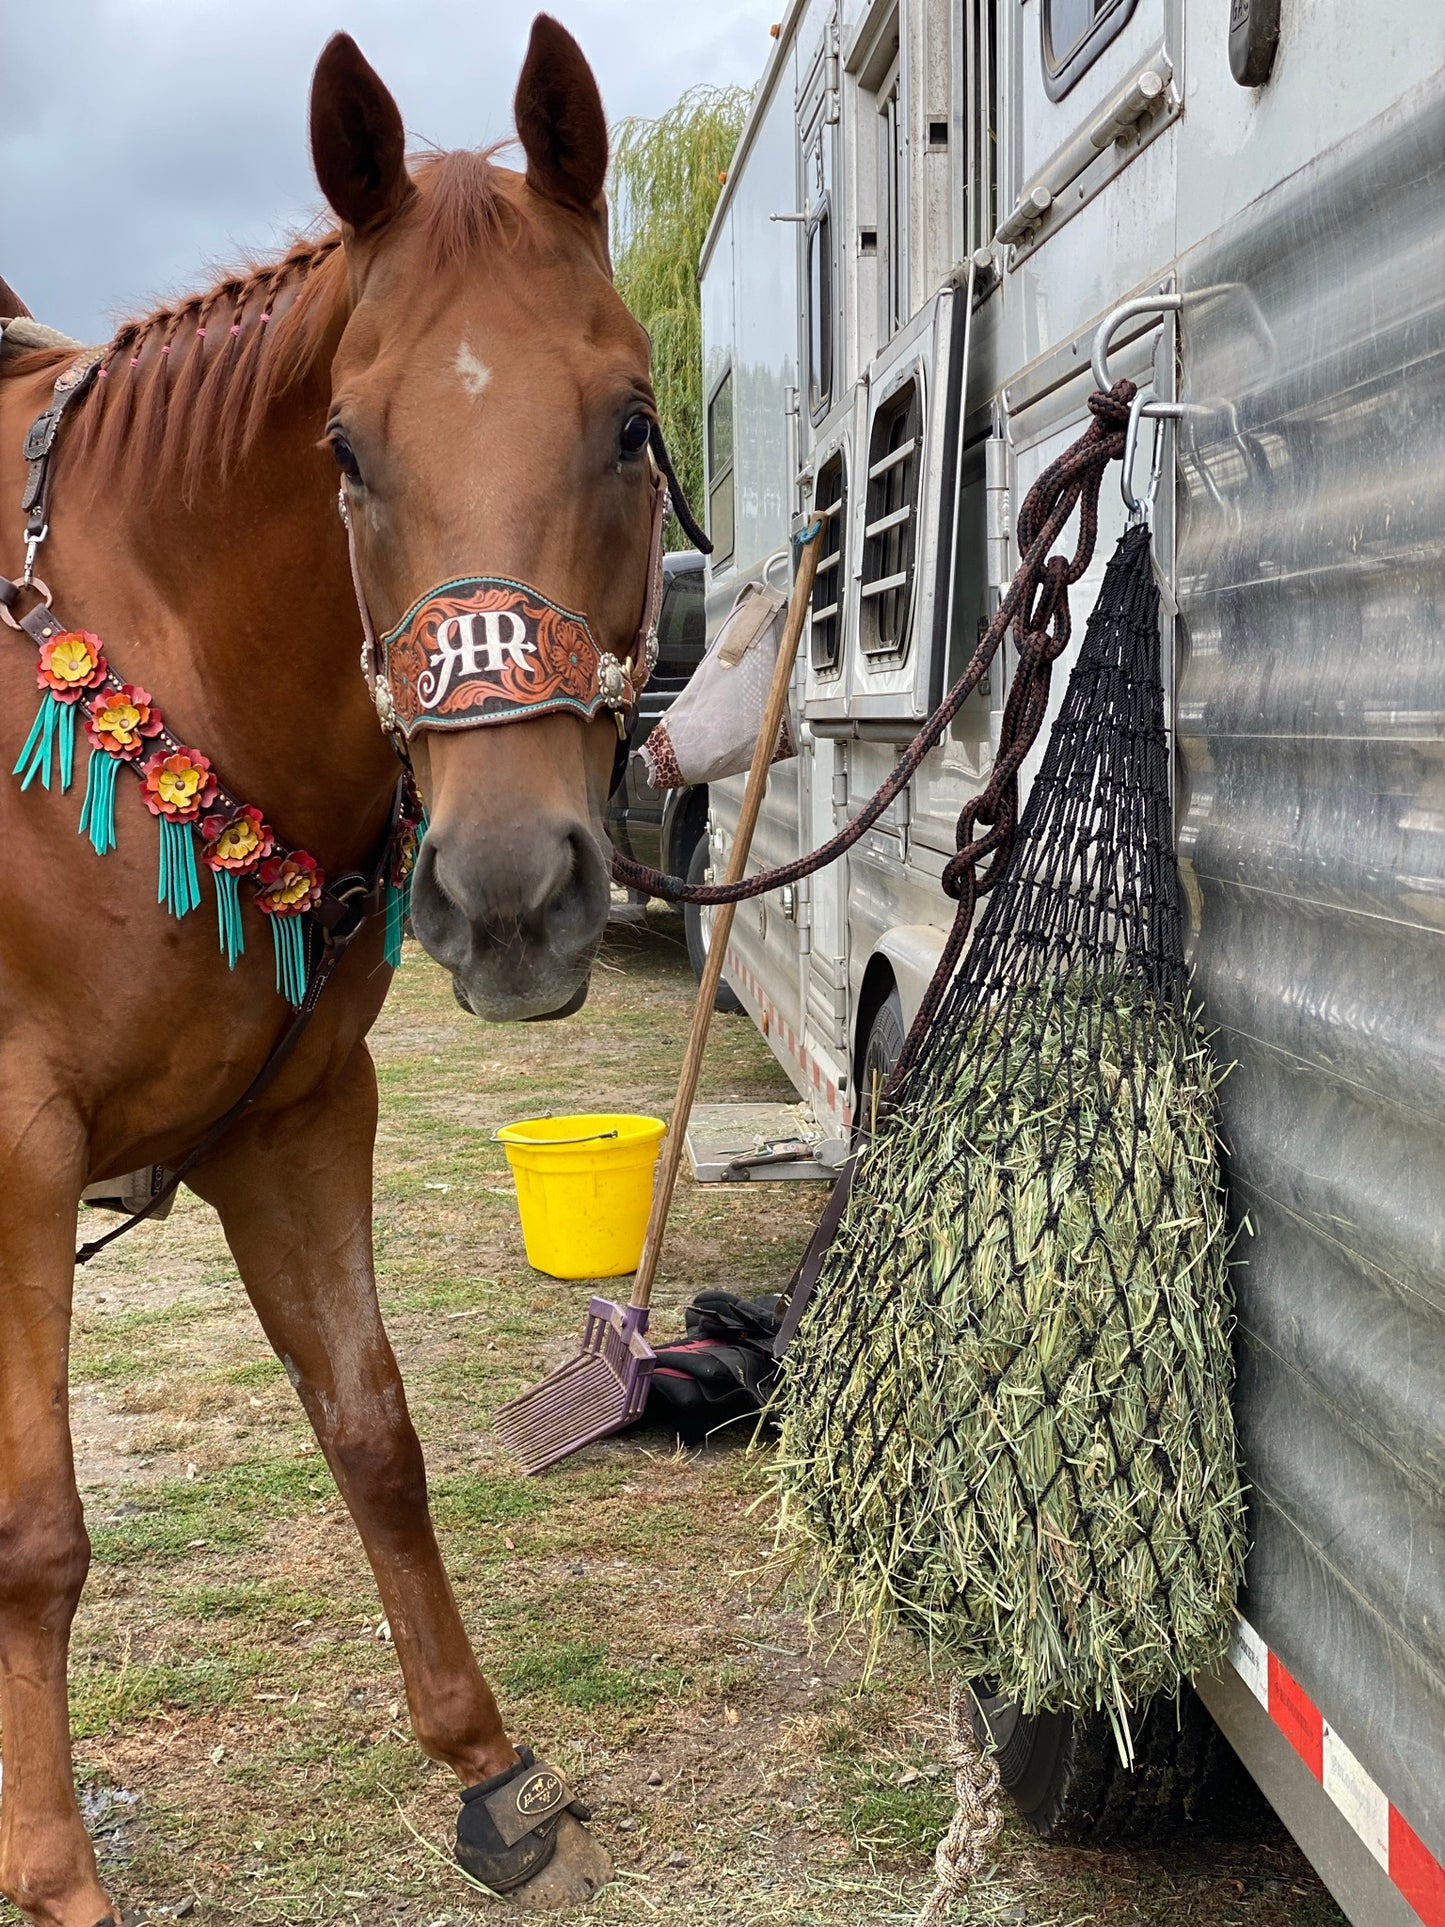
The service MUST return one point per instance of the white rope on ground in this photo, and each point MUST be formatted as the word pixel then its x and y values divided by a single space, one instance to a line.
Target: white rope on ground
pixel 963 1851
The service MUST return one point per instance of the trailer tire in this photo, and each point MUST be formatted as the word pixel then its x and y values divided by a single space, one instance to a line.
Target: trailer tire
pixel 1065 1776
pixel 881 1050
pixel 697 926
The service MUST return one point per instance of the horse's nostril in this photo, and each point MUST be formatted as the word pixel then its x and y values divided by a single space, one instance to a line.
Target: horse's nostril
pixel 442 925
pixel 576 908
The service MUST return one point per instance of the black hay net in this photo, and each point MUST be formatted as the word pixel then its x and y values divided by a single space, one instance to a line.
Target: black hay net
pixel 1006 1413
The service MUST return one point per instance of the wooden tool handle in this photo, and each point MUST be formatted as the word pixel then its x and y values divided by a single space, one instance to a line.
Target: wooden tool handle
pixel 671 1157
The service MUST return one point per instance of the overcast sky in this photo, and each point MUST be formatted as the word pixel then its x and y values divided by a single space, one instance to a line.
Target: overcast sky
pixel 141 140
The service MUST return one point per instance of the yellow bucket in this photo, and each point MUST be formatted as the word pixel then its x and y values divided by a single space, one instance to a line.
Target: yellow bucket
pixel 584 1189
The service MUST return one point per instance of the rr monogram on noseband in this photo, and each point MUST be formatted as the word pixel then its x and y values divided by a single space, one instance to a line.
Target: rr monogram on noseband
pixel 484 649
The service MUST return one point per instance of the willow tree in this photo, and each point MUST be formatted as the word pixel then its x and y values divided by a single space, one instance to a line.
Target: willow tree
pixel 666 178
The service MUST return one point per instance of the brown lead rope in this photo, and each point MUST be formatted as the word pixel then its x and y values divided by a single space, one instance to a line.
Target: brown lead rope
pixel 1036 609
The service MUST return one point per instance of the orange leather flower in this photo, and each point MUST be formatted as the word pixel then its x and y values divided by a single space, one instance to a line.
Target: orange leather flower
pixel 238 843
pixel 121 719
pixel 69 664
pixel 178 785
pixel 289 884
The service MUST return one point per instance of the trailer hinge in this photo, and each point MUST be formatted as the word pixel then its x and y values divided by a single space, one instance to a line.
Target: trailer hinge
pixel 998 517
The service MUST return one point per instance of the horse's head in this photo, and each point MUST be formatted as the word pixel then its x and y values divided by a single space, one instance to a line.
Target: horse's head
pixel 491 412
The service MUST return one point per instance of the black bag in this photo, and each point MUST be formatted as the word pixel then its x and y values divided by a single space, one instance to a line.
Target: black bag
pixel 722 1373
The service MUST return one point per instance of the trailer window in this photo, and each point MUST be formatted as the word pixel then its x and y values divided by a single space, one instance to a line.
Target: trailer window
pixel 820 314
pixel 720 469
pixel 1075 33
pixel 830 498
pixel 892 204
pixel 894 466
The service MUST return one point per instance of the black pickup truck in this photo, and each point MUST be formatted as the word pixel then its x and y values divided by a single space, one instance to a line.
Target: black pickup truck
pixel 668 828
pixel 661 827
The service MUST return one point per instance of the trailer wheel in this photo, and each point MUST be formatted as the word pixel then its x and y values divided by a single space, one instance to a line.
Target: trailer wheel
pixel 881 1052
pixel 1065 1776
pixel 697 926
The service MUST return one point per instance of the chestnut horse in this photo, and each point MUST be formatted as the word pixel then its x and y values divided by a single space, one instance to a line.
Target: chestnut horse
pixel 456 346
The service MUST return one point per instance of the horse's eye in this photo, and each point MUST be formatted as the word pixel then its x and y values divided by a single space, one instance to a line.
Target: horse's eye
pixel 636 432
pixel 345 458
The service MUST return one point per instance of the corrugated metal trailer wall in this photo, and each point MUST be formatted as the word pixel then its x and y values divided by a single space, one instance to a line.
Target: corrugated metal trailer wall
pixel 1311 713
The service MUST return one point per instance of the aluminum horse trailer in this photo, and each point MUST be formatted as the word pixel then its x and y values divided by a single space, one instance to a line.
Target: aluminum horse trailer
pixel 935 208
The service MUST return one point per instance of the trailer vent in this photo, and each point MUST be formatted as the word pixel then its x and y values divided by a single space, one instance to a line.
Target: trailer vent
pixel 830 499
pixel 890 532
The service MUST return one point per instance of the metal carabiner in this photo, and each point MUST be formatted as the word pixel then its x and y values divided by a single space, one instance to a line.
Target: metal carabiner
pixel 1140 509
pixel 1145 403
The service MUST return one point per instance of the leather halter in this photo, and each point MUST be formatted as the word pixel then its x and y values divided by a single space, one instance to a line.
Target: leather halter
pixel 481 650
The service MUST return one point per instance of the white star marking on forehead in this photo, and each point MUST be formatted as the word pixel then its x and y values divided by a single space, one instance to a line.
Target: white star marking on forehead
pixel 473 374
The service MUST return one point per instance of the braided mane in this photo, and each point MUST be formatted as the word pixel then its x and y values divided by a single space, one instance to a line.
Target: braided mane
pixel 183 391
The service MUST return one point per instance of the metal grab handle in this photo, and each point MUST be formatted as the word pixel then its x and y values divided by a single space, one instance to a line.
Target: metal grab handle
pixel 1160 304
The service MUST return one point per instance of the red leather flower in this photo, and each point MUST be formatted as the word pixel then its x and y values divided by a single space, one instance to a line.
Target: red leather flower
pixel 239 843
pixel 69 664
pixel 178 785
pixel 289 884
pixel 121 719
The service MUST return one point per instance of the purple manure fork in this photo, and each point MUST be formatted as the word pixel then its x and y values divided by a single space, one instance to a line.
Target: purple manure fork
pixel 603 1387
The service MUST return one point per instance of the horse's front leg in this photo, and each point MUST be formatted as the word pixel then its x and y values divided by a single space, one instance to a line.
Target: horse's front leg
pixel 47 1865
pixel 294 1194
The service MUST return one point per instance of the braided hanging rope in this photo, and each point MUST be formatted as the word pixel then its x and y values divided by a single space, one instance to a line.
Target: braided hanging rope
pixel 1036 610
pixel 962 1853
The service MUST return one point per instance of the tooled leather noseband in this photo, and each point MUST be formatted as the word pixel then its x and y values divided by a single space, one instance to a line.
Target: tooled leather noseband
pixel 480 650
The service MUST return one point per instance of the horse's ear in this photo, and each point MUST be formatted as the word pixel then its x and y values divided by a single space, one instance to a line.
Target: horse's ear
pixel 358 144
pixel 560 121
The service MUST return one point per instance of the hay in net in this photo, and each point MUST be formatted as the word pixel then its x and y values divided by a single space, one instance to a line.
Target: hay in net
pixel 1006 1413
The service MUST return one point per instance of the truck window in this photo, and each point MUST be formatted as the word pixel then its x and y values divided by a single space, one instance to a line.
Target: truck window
pixel 681 627
pixel 826 642
pixel 894 466
pixel 720 469
pixel 1075 33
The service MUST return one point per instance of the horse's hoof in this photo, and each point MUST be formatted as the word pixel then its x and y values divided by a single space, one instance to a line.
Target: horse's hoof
pixel 519 1834
pixel 573 1874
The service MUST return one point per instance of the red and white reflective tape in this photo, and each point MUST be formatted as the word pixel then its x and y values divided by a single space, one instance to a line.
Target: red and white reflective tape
pixel 1373 1816
pixel 827 1100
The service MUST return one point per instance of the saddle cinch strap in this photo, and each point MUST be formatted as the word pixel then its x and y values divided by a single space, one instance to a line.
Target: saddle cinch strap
pixel 485 649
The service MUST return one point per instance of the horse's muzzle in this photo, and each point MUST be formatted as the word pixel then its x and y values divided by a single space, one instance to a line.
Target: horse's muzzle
pixel 517 923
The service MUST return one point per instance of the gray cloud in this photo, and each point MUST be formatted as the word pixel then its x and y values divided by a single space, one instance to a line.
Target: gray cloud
pixel 170 135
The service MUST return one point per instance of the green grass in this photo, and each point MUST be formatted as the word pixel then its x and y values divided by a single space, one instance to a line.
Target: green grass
pixel 580 1675
pixel 227 1508
pixel 107 1696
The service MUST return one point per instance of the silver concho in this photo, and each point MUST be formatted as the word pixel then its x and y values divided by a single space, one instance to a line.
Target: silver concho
pixel 385 707
pixel 613 682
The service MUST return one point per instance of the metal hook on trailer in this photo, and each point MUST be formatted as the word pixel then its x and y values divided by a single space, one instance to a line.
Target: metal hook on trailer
pixel 1160 304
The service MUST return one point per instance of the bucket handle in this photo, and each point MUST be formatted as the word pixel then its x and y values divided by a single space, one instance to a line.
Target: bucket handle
pixel 592 1137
